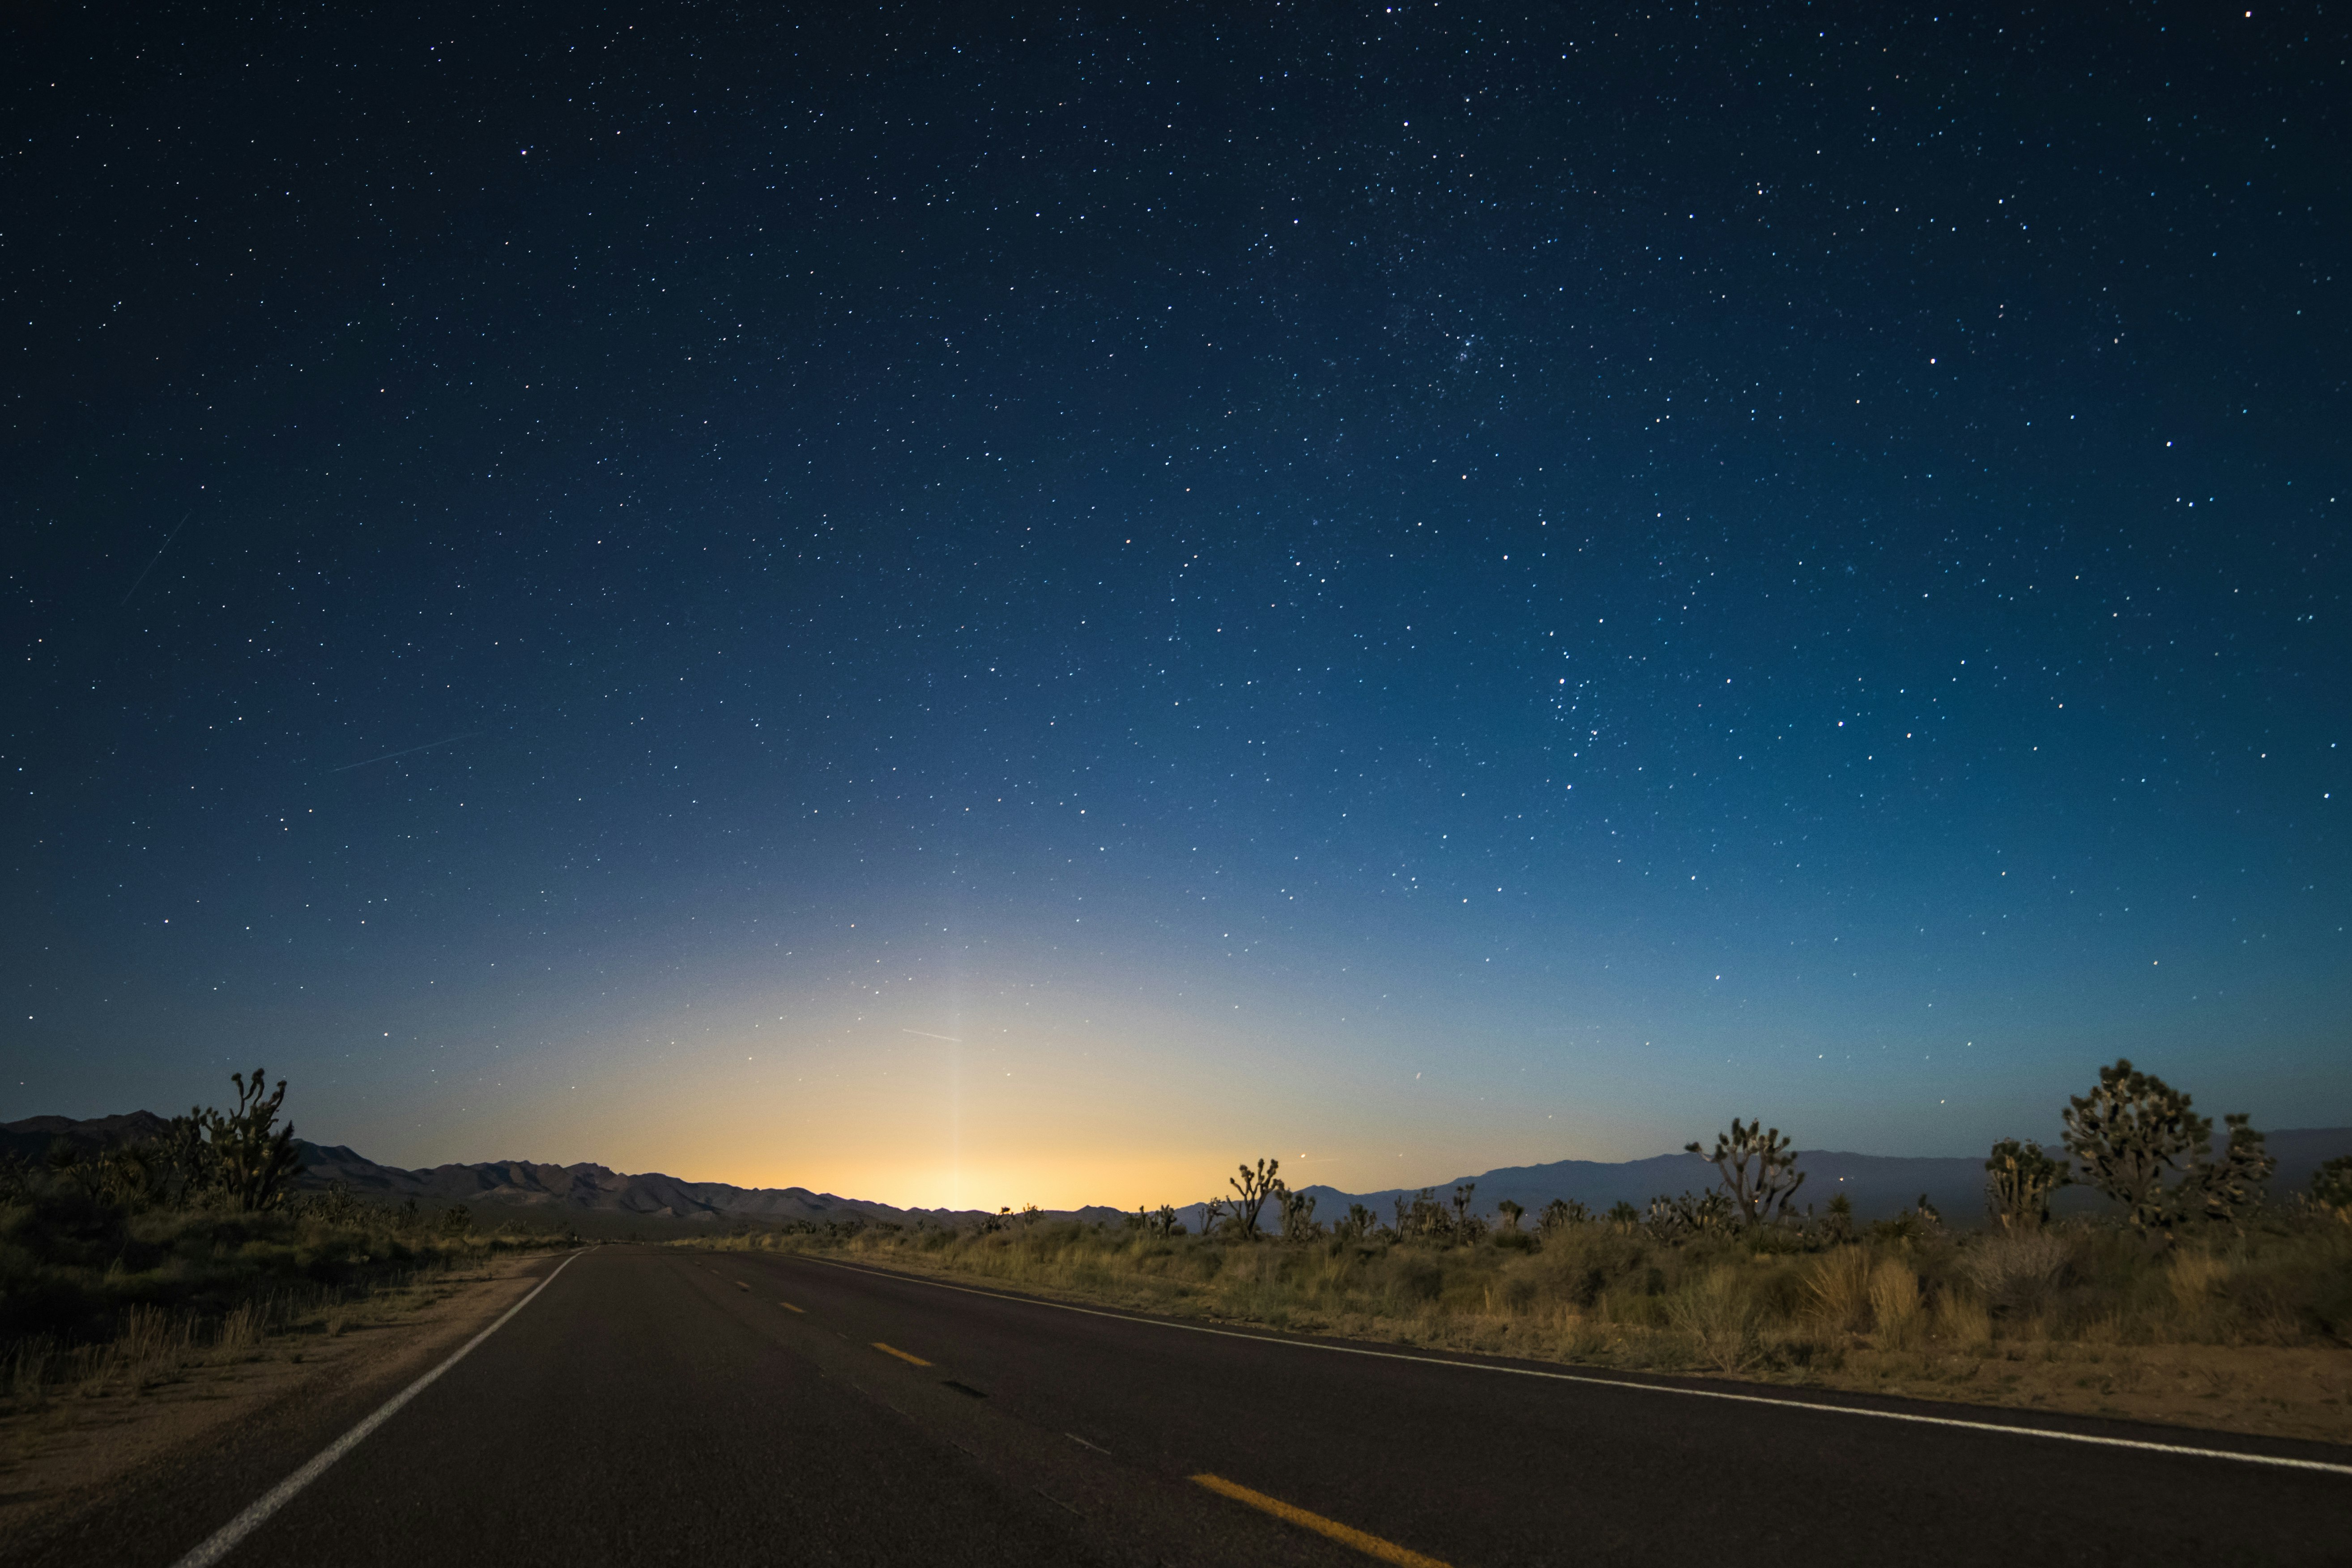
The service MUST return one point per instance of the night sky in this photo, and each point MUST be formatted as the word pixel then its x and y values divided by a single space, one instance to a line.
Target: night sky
pixel 970 606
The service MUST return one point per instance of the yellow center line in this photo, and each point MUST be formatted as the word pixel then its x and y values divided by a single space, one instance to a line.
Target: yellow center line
pixel 787 1307
pixel 1347 1535
pixel 741 1286
pixel 902 1355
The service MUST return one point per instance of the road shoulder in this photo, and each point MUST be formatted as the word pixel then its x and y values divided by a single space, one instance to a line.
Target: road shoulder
pixel 91 1453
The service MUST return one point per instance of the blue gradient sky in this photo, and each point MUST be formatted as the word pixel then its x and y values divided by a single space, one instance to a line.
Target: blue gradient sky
pixel 976 613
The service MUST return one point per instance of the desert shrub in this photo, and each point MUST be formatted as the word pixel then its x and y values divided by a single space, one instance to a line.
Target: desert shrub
pixel 1417 1277
pixel 1894 1302
pixel 2020 1273
pixel 1960 1318
pixel 1839 1286
pixel 1715 1295
pixel 1721 1315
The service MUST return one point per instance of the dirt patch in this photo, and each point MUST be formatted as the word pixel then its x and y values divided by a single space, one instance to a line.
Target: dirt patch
pixel 64 1454
pixel 2279 1392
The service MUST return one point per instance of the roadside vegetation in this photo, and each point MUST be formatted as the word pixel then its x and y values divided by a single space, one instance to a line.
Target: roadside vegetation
pixel 124 1267
pixel 1739 1279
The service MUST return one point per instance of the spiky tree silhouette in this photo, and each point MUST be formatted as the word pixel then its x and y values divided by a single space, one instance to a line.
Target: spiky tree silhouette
pixel 2019 1183
pixel 255 1156
pixel 1765 1192
pixel 2130 1133
pixel 1252 1188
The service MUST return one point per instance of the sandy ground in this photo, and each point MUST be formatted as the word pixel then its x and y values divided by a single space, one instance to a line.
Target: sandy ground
pixel 2281 1392
pixel 70 1453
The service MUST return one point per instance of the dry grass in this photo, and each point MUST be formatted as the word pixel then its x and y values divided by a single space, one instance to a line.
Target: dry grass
pixel 2253 1333
pixel 82 1422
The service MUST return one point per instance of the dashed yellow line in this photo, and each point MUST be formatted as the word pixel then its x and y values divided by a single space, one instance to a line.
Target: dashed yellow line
pixel 787 1307
pixel 741 1286
pixel 1347 1535
pixel 902 1355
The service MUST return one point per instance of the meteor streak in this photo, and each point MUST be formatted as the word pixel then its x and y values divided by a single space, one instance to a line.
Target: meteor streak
pixel 428 745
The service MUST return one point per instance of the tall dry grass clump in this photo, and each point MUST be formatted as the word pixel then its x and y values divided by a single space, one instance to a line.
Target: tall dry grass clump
pixel 1721 1317
pixel 1839 1287
pixel 1895 1303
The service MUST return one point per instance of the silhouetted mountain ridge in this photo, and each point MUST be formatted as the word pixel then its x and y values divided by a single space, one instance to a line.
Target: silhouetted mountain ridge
pixel 1877 1184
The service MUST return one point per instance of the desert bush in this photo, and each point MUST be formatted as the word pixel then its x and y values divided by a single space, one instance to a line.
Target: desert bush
pixel 1961 1321
pixel 2020 1274
pixel 1894 1302
pixel 1718 1299
pixel 2331 1188
pixel 1721 1318
pixel 1839 1287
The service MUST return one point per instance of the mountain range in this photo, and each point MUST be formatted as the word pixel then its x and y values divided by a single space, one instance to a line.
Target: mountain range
pixel 1876 1184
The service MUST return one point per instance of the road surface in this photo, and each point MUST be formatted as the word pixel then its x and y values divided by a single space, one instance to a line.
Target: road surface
pixel 669 1406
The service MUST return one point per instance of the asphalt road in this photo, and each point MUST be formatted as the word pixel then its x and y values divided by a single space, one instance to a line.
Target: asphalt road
pixel 658 1406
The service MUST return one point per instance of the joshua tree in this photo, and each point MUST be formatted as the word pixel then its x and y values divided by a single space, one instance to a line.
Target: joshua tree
pixel 2021 1178
pixel 1212 1214
pixel 1558 1215
pixel 1360 1224
pixel 1465 1226
pixel 1671 1219
pixel 1423 1217
pixel 1624 1215
pixel 1252 1188
pixel 1507 1214
pixel 190 1166
pixel 2230 1187
pixel 2128 1132
pixel 1765 1194
pixel 1298 1211
pixel 1666 1219
pixel 255 1156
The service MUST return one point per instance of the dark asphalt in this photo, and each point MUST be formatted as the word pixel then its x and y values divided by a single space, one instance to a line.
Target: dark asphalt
pixel 656 1406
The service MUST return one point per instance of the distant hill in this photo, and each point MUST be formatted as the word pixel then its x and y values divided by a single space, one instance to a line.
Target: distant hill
pixel 1877 1184
pixel 31 1137
pixel 596 1188
pixel 559 1189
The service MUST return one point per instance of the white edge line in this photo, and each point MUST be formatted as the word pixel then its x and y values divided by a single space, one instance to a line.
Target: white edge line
pixel 2281 1461
pixel 225 1540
